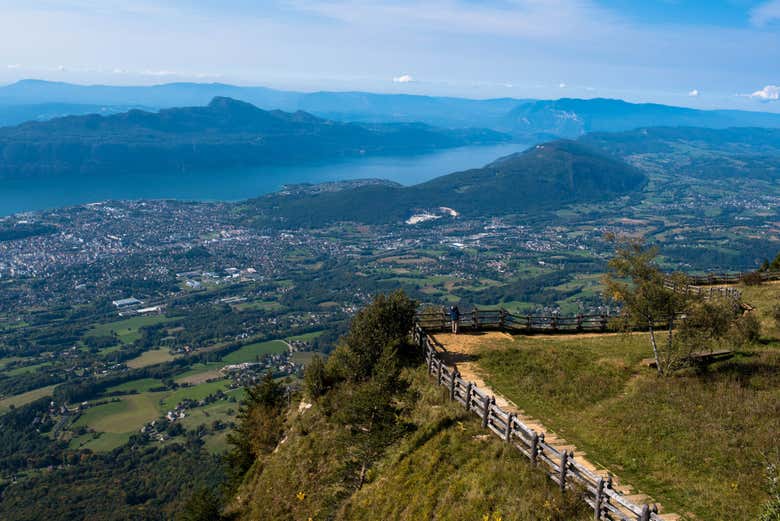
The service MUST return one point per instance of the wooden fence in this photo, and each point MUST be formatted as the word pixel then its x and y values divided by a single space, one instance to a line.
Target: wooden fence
pixel 560 466
pixel 706 293
pixel 501 319
pixel 731 278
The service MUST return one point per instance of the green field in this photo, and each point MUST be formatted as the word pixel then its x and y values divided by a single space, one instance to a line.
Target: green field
pixel 100 441
pixel 127 329
pixel 16 371
pixel 25 398
pixel 199 373
pixel 693 441
pixel 259 305
pixel 253 352
pixel 126 415
pixel 195 392
pixel 140 386
pixel 154 357
pixel 306 337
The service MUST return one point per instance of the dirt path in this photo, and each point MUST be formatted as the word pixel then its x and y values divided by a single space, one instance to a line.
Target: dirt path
pixel 462 353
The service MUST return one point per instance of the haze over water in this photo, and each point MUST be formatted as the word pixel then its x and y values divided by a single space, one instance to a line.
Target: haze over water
pixel 22 195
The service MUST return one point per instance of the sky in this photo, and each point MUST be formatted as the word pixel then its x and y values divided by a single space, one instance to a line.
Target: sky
pixel 699 53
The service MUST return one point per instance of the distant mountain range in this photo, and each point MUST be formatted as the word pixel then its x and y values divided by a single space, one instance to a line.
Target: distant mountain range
pixel 575 117
pixel 536 119
pixel 543 177
pixel 341 106
pixel 224 134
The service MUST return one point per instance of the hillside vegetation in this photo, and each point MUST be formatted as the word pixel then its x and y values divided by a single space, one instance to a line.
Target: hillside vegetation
pixel 698 441
pixel 374 439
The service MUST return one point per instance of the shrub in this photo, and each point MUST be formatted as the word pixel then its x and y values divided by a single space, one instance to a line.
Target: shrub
pixel 314 378
pixel 752 279
pixel 746 329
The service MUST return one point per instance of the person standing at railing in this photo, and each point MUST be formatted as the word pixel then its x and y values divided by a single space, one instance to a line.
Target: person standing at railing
pixel 455 318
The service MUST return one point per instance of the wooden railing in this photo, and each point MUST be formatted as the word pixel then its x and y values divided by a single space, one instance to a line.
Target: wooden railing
pixel 560 466
pixel 731 278
pixel 482 319
pixel 706 293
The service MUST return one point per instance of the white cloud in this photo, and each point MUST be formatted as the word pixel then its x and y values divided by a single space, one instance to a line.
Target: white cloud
pixel 768 93
pixel 158 73
pixel 405 78
pixel 694 93
pixel 765 13
pixel 562 85
pixel 14 66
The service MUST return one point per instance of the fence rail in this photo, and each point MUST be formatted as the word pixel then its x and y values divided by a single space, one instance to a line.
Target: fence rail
pixel 560 466
pixel 480 319
pixel 731 278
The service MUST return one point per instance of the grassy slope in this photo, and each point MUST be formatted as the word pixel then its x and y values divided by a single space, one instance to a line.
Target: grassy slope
pixel 446 468
pixel 692 441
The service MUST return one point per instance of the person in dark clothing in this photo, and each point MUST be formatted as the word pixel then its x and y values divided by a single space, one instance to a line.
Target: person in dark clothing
pixel 455 318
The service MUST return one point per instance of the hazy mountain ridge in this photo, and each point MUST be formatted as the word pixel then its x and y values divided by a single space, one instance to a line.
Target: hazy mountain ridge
pixel 574 117
pixel 226 133
pixel 564 117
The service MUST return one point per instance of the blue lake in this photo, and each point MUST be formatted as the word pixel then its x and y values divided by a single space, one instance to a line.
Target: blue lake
pixel 20 195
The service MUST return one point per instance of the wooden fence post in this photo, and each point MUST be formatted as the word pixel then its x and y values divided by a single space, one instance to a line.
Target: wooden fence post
pixel 468 396
pixel 599 499
pixel 486 411
pixel 645 515
pixel 438 373
pixel 508 433
pixel 534 448
pixel 554 322
pixel 579 321
pixel 603 322
pixel 528 322
pixel 502 319
pixel 475 319
pixel 564 469
pixel 453 376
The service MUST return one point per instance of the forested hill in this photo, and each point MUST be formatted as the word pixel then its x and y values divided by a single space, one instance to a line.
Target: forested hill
pixel 545 176
pixel 226 133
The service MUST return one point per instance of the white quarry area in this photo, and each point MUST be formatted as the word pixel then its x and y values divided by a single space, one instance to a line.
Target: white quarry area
pixel 430 215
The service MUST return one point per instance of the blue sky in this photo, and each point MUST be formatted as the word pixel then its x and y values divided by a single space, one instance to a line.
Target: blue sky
pixel 718 53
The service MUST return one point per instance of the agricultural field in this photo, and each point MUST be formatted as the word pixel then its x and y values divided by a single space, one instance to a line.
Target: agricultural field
pixel 153 357
pixel 695 441
pixel 253 352
pixel 127 330
pixel 25 398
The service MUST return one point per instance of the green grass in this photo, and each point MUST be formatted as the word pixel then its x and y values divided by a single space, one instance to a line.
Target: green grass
pixel 100 441
pixel 123 416
pixel 198 372
pixel 153 357
pixel 140 386
pixel 16 371
pixel 444 467
pixel 306 337
pixel 127 329
pixel 196 392
pixel 259 305
pixel 253 352
pixel 7 360
pixel 691 441
pixel 25 398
